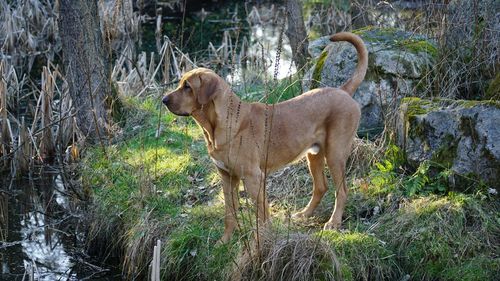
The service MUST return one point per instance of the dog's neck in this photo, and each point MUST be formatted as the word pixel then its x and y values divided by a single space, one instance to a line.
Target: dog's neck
pixel 225 111
pixel 204 119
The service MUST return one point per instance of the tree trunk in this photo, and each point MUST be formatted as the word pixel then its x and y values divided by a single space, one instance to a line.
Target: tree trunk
pixel 85 65
pixel 296 33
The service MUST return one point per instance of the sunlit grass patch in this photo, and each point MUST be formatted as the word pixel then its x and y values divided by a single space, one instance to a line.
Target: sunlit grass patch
pixel 362 256
pixel 193 255
pixel 433 234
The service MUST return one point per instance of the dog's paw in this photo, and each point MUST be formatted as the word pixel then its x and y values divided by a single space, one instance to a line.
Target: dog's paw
pixel 220 242
pixel 301 215
pixel 223 240
pixel 331 226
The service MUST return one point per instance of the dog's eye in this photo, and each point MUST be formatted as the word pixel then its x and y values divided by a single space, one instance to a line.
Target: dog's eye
pixel 186 86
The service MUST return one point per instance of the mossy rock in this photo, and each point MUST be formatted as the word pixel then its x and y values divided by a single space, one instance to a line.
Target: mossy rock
pixel 459 135
pixel 393 37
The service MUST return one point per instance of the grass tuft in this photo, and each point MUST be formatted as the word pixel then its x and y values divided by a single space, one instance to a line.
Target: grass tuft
pixel 287 256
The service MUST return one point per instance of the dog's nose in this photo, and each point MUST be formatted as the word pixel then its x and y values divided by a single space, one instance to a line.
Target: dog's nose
pixel 165 100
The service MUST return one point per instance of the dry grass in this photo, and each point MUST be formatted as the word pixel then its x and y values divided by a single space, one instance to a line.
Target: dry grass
pixel 293 256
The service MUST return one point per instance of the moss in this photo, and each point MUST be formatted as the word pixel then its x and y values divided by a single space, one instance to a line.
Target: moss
pixel 470 103
pixel 318 68
pixel 418 106
pixel 493 91
pixel 414 107
pixel 447 152
pixel 397 37
pixel 419 46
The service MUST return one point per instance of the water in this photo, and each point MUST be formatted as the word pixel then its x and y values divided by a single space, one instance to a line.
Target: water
pixel 41 233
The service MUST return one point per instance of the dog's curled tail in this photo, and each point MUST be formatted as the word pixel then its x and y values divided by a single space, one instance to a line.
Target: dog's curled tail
pixel 359 74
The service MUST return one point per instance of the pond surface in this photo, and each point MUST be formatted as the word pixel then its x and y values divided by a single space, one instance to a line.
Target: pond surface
pixel 41 233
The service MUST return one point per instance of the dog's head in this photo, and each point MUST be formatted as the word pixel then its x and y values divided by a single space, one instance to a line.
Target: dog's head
pixel 196 88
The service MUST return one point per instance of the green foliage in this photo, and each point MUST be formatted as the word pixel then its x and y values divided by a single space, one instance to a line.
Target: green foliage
pixel 430 177
pixel 384 177
pixel 285 89
pixel 423 182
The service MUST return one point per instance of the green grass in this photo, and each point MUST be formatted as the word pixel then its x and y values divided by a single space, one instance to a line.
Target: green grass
pixel 148 186
pixel 438 237
pixel 362 256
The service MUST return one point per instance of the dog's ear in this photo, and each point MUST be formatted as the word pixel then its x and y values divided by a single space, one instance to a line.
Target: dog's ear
pixel 207 87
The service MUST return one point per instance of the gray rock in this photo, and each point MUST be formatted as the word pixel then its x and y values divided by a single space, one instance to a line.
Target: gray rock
pixel 462 136
pixel 397 62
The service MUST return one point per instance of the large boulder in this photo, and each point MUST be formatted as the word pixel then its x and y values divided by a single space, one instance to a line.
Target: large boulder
pixel 398 61
pixel 463 136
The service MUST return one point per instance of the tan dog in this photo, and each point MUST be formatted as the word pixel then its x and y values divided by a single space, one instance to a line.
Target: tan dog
pixel 248 140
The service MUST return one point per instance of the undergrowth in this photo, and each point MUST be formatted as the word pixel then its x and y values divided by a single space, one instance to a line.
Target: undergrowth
pixel 157 182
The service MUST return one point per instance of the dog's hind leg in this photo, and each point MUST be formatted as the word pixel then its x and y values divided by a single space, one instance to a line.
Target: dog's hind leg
pixel 316 163
pixel 336 161
pixel 231 202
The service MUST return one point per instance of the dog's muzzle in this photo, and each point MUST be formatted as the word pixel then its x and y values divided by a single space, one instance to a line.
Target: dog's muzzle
pixel 165 100
pixel 172 108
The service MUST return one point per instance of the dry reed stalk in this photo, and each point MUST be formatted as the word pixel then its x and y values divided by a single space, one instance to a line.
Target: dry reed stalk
pixel 155 263
pixel 138 239
pixel 120 24
pixel 177 70
pixel 73 152
pixel 228 46
pixel 4 219
pixel 158 32
pixel 47 147
pixel 5 136
pixel 23 150
pixel 166 61
pixel 64 132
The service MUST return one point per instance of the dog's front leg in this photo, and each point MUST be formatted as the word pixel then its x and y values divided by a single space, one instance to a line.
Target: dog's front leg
pixel 230 185
pixel 254 186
